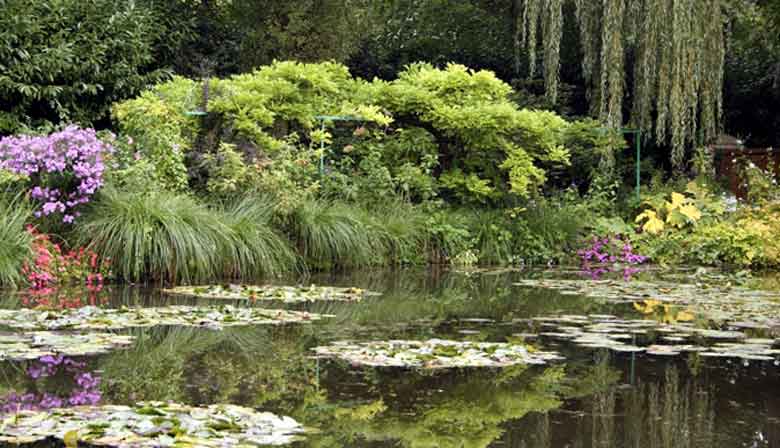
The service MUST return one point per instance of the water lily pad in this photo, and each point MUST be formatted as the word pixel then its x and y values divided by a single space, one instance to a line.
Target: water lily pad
pixel 93 318
pixel 736 306
pixel 33 345
pixel 286 294
pixel 608 332
pixel 152 424
pixel 434 354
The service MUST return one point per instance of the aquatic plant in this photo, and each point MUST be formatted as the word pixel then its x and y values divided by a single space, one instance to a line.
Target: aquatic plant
pixel 47 344
pixel 64 169
pixel 15 240
pixel 93 318
pixel 434 354
pixel 148 424
pixel 286 294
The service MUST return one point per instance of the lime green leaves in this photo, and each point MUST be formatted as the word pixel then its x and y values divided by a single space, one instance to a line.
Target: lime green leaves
pixel 678 212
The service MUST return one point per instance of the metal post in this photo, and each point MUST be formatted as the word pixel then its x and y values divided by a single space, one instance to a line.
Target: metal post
pixel 322 148
pixel 638 160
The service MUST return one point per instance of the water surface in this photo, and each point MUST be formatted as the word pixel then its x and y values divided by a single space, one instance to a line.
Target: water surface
pixel 595 398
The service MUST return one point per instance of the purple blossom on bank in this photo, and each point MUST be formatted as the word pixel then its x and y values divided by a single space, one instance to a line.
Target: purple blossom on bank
pixel 608 254
pixel 73 156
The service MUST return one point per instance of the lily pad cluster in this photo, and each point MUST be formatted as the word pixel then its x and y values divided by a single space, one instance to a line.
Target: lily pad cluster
pixel 656 338
pixel 737 306
pixel 286 294
pixel 152 424
pixel 94 318
pixel 34 345
pixel 434 354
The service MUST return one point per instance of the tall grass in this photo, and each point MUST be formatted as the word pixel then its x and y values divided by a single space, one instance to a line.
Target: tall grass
pixel 171 237
pixel 398 232
pixel 330 235
pixel 337 235
pixel 161 235
pixel 15 240
pixel 255 248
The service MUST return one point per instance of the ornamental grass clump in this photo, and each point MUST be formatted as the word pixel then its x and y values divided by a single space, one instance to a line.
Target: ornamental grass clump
pixel 159 235
pixel 63 169
pixel 168 236
pixel 15 241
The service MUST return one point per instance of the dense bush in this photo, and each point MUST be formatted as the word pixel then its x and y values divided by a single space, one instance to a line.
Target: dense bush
pixel 68 60
pixel 431 130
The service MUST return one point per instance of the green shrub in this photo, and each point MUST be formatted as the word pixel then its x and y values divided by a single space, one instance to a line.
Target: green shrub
pixel 68 60
pixel 15 240
pixel 160 130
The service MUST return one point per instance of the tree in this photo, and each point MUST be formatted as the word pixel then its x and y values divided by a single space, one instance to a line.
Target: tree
pixel 677 49
pixel 752 74
pixel 304 30
pixel 68 60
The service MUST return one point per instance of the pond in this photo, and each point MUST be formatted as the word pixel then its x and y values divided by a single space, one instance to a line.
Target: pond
pixel 600 389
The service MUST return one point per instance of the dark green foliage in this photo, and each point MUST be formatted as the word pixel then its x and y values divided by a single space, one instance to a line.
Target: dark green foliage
pixel 306 30
pixel 15 240
pixel 752 75
pixel 68 60
pixel 473 33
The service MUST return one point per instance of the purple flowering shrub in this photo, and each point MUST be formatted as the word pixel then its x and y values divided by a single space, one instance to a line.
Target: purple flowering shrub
pixel 64 169
pixel 80 387
pixel 609 254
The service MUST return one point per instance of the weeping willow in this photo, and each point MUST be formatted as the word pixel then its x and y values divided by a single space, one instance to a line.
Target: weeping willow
pixel 548 13
pixel 678 55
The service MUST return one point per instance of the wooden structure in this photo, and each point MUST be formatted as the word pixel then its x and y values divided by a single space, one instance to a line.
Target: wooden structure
pixel 728 151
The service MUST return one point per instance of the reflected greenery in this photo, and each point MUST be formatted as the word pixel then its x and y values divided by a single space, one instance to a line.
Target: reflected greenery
pixel 597 398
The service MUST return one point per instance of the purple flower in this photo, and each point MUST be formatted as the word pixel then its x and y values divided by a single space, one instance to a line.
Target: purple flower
pixel 71 153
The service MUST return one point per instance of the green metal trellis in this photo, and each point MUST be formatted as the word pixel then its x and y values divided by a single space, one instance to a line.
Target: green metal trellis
pixel 638 145
pixel 323 119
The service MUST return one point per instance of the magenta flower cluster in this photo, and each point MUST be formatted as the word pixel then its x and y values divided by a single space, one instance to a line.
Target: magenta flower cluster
pixel 85 388
pixel 65 168
pixel 604 255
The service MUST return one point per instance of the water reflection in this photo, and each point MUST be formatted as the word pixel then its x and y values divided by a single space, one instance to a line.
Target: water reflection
pixel 593 400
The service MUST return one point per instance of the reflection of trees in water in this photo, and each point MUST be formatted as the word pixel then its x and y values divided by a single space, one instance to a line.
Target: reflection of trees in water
pixel 665 414
pixel 671 414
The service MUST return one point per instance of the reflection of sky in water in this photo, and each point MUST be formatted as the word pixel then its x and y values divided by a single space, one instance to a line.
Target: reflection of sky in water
pixel 595 399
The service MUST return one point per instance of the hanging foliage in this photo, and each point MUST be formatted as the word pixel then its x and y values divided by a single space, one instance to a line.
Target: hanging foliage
pixel 553 32
pixel 548 13
pixel 678 48
pixel 612 63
